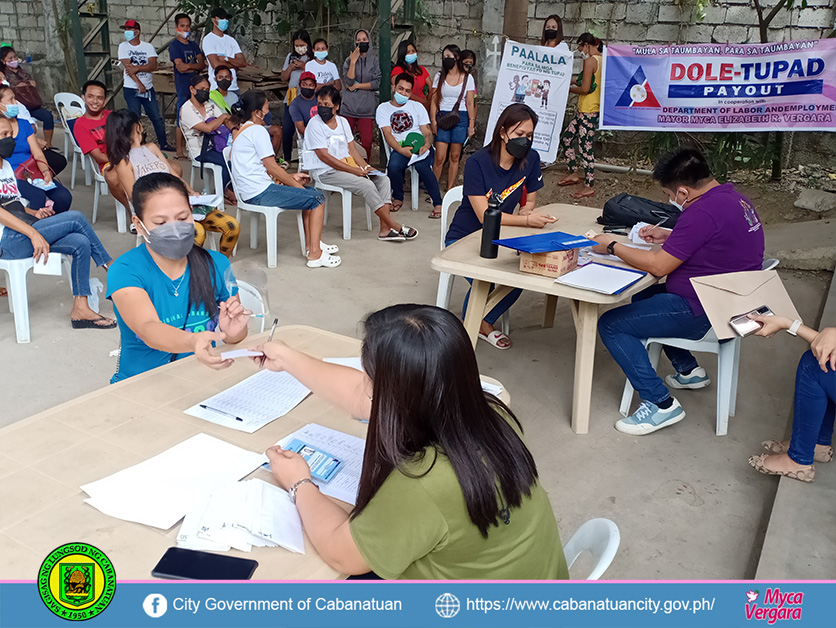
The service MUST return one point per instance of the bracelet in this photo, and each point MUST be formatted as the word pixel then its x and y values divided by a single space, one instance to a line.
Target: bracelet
pixel 292 491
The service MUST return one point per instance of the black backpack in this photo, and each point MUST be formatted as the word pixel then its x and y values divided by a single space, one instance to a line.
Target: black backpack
pixel 626 210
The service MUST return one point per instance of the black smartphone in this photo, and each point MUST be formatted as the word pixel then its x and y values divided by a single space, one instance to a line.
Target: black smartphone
pixel 183 564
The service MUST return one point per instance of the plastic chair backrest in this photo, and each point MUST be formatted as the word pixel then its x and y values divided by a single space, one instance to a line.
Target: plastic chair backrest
pixel 601 538
pixel 227 153
pixel 252 300
pixel 454 195
pixel 68 99
pixel 769 264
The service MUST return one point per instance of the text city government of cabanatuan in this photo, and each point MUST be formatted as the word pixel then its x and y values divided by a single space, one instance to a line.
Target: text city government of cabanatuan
pixel 289 604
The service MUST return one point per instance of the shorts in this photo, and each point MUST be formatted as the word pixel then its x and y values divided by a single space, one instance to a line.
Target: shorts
pixel 456 135
pixel 288 197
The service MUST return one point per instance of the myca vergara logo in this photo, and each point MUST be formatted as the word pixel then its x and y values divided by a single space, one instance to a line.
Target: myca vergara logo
pixel 776 606
pixel 76 581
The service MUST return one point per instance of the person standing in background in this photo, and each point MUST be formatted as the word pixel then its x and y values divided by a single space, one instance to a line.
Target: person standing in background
pixel 303 107
pixel 222 49
pixel 408 63
pixel 362 79
pixel 294 66
pixel 326 72
pixel 188 60
pixel 552 32
pixel 139 59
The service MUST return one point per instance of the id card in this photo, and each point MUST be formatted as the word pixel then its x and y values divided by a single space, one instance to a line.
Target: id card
pixel 323 465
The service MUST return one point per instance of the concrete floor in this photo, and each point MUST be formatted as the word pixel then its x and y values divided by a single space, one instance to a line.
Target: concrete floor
pixel 687 503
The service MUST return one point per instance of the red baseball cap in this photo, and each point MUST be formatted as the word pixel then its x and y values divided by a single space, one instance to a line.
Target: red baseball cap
pixel 307 75
pixel 130 24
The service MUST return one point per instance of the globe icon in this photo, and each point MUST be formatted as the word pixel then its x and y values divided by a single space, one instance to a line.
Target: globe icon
pixel 447 605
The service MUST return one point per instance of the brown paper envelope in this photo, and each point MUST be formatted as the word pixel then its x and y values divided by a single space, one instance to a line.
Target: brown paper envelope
pixel 728 295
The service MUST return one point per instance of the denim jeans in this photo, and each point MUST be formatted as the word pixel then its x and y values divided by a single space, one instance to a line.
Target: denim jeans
pixel 68 233
pixel 814 409
pixel 288 197
pixel 214 157
pixel 147 101
pixel 653 313
pixel 503 306
pixel 288 134
pixel 397 167
pixel 59 195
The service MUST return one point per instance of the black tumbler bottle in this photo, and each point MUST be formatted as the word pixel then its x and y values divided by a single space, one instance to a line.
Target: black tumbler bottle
pixel 490 228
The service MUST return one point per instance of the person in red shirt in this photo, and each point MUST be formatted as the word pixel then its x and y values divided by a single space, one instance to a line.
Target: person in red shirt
pixel 408 62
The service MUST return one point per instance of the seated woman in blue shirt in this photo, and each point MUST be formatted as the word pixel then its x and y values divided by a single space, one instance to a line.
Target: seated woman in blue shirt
pixel 505 167
pixel 171 297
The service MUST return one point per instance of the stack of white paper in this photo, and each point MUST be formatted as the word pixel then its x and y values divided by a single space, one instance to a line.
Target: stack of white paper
pixel 347 448
pixel 254 402
pixel 243 515
pixel 160 491
pixel 601 278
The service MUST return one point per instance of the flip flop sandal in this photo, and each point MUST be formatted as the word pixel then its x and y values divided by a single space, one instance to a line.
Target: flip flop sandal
pixel 777 447
pixel 3 292
pixel 494 338
pixel 392 236
pixel 580 195
pixel 563 183
pixel 408 232
pixel 325 261
pixel 92 324
pixel 802 475
pixel 396 208
pixel 435 215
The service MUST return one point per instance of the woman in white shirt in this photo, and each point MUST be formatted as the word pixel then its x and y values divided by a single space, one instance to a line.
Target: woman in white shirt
pixel 261 181
pixel 453 93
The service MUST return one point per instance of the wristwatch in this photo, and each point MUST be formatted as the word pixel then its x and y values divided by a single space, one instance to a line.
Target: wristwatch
pixel 295 487
pixel 611 247
pixel 793 329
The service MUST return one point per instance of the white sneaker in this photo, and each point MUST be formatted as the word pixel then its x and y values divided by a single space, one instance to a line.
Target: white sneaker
pixel 649 418
pixel 325 261
pixel 694 381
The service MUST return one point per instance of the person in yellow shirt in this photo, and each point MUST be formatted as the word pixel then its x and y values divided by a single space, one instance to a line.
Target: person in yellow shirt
pixel 583 125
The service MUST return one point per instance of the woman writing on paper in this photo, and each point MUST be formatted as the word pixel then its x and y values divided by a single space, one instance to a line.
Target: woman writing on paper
pixel 506 167
pixel 448 488
pixel 171 297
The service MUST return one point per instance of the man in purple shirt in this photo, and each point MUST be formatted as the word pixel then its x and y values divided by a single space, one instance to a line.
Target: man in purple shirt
pixel 719 231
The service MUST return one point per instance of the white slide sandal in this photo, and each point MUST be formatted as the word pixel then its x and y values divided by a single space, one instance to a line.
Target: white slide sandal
pixel 494 338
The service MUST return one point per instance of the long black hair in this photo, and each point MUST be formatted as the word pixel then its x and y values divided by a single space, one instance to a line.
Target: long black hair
pixel 119 133
pixel 201 265
pixel 412 68
pixel 559 29
pixel 592 40
pixel 427 398
pixel 250 101
pixel 510 117
pixel 457 54
pixel 304 36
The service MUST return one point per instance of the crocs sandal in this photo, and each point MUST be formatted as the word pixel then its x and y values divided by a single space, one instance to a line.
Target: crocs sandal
pixel 392 236
pixel 327 248
pixel 802 475
pixel 408 232
pixel 777 447
pixel 494 339
pixel 92 324
pixel 325 261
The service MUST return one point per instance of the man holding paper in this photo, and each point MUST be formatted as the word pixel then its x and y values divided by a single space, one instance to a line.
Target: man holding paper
pixel 718 232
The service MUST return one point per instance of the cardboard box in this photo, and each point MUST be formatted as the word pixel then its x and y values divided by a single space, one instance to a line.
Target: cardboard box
pixel 551 264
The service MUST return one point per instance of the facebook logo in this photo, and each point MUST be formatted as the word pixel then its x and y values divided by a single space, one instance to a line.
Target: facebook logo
pixel 155 605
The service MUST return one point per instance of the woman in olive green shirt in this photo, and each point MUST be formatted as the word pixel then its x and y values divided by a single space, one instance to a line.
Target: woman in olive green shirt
pixel 448 489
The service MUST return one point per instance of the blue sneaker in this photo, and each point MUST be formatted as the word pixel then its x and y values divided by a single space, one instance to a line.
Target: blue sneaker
pixel 694 381
pixel 649 417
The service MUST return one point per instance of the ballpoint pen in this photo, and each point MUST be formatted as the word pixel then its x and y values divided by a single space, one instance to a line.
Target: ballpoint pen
pixel 269 339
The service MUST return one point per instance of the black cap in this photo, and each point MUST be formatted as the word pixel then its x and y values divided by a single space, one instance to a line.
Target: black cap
pixel 220 12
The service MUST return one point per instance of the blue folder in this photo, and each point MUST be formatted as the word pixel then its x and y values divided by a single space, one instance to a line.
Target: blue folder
pixel 546 242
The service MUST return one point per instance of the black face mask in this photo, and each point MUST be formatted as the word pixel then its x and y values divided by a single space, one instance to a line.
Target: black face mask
pixel 550 34
pixel 224 84
pixel 7 147
pixel 307 92
pixel 467 67
pixel 448 63
pixel 201 95
pixel 326 113
pixel 363 46
pixel 518 147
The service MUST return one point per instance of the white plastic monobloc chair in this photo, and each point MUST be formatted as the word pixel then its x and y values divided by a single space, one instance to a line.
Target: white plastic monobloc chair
pixel 252 300
pixel 16 271
pixel 100 189
pixel 347 196
pixel 64 100
pixel 445 280
pixel 601 538
pixel 728 365
pixel 270 214
pixel 217 176
pixel 415 180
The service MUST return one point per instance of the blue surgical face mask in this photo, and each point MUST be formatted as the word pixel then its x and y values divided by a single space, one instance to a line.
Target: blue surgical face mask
pixel 129 35
pixel 321 54
pixel 223 25
pixel 12 110
pixel 400 98
pixel 412 58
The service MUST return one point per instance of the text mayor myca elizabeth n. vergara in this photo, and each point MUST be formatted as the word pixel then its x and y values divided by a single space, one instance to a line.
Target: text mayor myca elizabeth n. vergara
pixel 304 604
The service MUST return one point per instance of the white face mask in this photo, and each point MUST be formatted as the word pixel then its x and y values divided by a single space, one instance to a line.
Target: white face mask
pixel 673 202
pixel 300 50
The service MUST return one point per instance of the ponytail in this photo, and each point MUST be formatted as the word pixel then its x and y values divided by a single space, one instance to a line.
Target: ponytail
pixel 592 40
pixel 250 102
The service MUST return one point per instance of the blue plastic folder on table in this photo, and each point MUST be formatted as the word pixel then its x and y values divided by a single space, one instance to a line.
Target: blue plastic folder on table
pixel 546 242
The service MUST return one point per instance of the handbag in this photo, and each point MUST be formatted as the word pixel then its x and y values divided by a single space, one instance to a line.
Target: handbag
pixel 16 209
pixel 626 210
pixel 29 170
pixel 451 120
